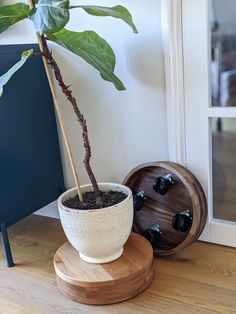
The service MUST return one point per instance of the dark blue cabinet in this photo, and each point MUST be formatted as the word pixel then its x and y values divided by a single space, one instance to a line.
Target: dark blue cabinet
pixel 30 161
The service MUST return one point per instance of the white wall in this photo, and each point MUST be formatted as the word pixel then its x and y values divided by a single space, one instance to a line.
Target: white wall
pixel 126 128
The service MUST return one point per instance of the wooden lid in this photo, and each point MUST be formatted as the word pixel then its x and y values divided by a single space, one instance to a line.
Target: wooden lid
pixel 185 194
pixel 105 283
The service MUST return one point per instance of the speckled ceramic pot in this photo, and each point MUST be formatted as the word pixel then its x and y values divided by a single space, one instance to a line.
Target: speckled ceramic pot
pixel 98 235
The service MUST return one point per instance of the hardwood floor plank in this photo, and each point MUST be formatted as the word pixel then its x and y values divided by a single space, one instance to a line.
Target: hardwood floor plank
pixel 205 297
pixel 205 263
pixel 199 280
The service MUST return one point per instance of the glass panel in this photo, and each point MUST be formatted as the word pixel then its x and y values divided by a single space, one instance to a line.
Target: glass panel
pixel 224 168
pixel 223 52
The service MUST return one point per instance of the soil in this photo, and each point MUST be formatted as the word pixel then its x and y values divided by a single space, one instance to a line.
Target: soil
pixel 106 199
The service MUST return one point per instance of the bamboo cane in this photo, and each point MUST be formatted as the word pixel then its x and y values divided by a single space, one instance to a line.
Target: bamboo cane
pixel 59 113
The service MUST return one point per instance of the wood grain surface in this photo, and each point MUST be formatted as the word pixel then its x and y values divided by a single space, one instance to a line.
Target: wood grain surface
pixel 185 194
pixel 106 283
pixel 198 280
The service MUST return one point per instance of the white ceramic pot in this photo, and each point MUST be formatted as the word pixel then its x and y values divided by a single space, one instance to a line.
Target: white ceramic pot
pixel 98 234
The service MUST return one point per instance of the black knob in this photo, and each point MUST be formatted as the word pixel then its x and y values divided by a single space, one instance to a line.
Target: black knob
pixel 182 221
pixel 139 200
pixel 162 184
pixel 153 235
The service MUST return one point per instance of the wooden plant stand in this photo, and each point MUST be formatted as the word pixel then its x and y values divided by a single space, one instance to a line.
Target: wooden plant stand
pixel 186 194
pixel 107 283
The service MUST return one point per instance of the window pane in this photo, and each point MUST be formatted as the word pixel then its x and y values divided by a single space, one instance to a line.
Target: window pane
pixel 224 168
pixel 223 53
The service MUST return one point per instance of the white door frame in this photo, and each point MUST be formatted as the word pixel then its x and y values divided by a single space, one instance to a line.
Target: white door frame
pixel 183 87
pixel 172 30
pixel 173 52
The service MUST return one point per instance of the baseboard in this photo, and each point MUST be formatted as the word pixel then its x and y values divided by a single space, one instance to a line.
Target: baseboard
pixel 50 210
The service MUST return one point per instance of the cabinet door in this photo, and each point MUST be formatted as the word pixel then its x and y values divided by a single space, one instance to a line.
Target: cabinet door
pixel 30 160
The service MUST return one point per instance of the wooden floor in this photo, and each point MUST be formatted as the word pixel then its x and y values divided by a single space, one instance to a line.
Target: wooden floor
pixel 201 279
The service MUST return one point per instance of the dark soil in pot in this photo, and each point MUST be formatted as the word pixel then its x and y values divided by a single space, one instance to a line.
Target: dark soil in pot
pixel 106 199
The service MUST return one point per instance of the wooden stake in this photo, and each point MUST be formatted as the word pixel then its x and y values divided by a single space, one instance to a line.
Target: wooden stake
pixel 59 114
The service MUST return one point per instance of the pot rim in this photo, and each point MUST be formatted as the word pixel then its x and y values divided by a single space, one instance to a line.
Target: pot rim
pixel 129 195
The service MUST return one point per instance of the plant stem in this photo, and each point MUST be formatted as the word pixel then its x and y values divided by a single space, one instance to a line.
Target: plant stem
pixel 61 121
pixel 68 93
pixel 58 112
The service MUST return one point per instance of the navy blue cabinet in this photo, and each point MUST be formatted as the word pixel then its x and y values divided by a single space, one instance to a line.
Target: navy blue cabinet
pixel 30 161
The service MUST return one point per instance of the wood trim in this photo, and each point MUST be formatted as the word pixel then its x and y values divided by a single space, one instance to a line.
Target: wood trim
pixel 174 71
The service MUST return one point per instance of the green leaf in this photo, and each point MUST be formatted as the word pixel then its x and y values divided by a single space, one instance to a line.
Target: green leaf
pixel 7 76
pixel 118 12
pixel 93 49
pixel 51 16
pixel 11 14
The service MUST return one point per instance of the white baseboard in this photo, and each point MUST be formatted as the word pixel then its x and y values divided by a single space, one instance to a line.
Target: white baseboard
pixel 49 211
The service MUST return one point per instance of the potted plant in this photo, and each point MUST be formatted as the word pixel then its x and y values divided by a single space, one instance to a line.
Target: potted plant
pixel 97 217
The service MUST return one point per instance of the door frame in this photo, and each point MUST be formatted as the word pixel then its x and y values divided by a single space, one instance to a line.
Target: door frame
pixel 180 49
pixel 173 39
pixel 171 22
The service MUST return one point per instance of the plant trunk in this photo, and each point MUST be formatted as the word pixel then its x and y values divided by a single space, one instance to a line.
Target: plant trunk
pixel 68 93
pixel 58 111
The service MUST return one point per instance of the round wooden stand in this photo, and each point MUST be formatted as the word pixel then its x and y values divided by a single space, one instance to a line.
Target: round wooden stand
pixel 185 194
pixel 107 283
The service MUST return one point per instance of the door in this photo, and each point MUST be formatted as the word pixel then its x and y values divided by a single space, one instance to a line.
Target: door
pixel 209 54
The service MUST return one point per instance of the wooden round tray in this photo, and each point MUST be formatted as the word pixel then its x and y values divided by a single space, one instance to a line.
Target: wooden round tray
pixel 185 194
pixel 106 283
